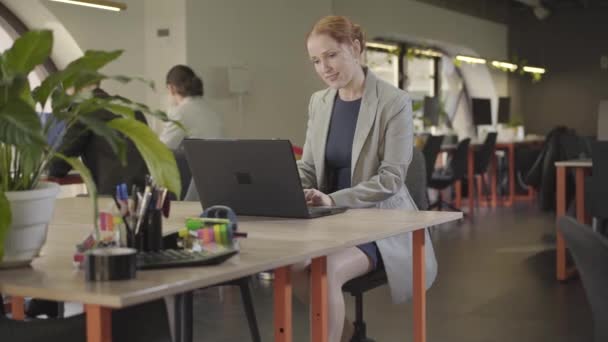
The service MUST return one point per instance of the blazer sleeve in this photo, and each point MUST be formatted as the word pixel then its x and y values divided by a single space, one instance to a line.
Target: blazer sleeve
pixel 395 156
pixel 306 164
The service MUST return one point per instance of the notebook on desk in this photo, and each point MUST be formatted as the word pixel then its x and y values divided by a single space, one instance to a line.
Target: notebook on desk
pixel 253 177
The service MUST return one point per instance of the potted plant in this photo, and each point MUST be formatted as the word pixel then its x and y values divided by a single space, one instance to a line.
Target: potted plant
pixel 26 201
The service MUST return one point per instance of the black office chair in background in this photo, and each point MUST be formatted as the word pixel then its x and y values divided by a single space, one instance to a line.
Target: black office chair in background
pixel 596 186
pixel 483 158
pixel 455 170
pixel 415 182
pixel 590 251
pixel 431 150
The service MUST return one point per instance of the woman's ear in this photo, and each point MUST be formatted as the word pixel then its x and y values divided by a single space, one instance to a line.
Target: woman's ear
pixel 357 48
pixel 171 89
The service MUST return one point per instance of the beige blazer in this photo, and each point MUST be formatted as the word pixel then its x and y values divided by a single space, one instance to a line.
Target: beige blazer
pixel 382 151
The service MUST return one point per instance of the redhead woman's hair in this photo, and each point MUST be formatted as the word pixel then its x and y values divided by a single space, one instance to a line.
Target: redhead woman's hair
pixel 340 28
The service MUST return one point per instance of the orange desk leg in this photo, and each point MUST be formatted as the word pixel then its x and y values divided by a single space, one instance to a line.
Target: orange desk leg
pixel 561 211
pixel 419 287
pixel 319 299
pixel 18 308
pixel 493 178
pixel 511 161
pixel 470 178
pixel 581 214
pixel 458 191
pixel 99 323
pixel 282 305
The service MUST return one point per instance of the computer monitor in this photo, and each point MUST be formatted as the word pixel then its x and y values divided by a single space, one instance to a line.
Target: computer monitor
pixel 431 110
pixel 504 110
pixel 482 111
pixel 602 121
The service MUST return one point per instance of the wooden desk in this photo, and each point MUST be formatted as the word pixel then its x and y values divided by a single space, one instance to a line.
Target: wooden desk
pixel 582 168
pixel 273 243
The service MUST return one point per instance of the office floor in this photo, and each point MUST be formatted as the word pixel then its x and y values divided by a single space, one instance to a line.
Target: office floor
pixel 496 283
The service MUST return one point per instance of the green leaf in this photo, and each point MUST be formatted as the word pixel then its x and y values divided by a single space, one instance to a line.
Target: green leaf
pixel 28 51
pixel 85 174
pixel 80 68
pixel 158 157
pixel 5 220
pixel 19 124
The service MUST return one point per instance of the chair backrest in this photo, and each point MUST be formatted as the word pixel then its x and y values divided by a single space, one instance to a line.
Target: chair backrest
pixel 485 153
pixel 416 181
pixel 590 252
pixel 431 149
pixel 184 171
pixel 458 160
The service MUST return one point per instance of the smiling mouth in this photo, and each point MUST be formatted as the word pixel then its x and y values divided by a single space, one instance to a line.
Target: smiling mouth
pixel 332 77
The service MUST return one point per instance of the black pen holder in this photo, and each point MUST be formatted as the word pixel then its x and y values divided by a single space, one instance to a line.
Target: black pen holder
pixel 150 236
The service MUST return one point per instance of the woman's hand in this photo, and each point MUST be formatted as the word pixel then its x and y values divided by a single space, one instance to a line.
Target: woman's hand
pixel 315 198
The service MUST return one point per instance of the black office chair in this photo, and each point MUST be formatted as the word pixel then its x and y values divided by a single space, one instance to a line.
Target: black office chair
pixel 596 186
pixel 483 158
pixel 455 170
pixel 170 241
pixel 185 174
pixel 146 322
pixel 415 182
pixel 431 150
pixel 590 252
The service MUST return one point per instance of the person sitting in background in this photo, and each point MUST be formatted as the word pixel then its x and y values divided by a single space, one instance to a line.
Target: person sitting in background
pixel 98 156
pixel 187 107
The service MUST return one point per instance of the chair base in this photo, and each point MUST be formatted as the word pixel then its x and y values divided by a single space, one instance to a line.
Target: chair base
pixel 440 204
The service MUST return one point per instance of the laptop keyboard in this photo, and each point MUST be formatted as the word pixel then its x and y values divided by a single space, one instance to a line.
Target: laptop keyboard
pixel 169 258
pixel 316 210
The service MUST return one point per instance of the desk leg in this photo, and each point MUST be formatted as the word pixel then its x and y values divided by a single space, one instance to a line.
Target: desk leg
pixel 183 317
pixel 319 299
pixel 561 211
pixel 282 305
pixel 493 178
pixel 470 180
pixel 581 214
pixel 458 191
pixel 17 308
pixel 99 323
pixel 511 161
pixel 419 287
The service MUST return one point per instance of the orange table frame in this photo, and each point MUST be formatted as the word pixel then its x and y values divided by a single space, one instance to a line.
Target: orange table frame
pixel 99 319
pixel 563 272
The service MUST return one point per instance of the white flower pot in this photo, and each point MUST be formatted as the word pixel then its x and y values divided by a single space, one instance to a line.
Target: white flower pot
pixel 32 210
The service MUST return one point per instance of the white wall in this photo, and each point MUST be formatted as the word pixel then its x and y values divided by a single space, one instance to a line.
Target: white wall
pixel 163 52
pixel 95 29
pixel 266 36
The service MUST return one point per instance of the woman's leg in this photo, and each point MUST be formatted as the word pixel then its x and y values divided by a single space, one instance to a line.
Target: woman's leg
pixel 341 267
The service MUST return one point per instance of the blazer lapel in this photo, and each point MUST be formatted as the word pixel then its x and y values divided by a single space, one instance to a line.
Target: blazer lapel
pixel 324 115
pixel 365 121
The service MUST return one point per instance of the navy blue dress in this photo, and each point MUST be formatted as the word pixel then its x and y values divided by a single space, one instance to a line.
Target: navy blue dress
pixel 338 154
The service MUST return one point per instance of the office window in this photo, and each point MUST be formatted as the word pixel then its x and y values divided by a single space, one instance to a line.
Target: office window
pixel 420 77
pixel 384 64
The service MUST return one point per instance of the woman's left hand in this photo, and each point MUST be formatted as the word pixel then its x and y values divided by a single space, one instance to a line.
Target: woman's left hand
pixel 316 198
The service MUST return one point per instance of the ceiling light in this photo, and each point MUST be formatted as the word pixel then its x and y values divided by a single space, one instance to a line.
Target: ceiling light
pixel 504 65
pixel 382 46
pixel 534 70
pixel 100 4
pixel 427 52
pixel 472 60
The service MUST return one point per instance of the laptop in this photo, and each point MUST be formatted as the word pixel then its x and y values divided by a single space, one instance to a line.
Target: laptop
pixel 253 177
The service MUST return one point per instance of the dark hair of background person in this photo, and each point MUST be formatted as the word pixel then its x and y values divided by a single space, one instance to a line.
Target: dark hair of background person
pixel 185 81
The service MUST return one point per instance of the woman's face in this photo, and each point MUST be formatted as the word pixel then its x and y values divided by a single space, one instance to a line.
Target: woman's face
pixel 334 62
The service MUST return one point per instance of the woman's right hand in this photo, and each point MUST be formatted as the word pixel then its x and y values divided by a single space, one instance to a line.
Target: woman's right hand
pixel 316 198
